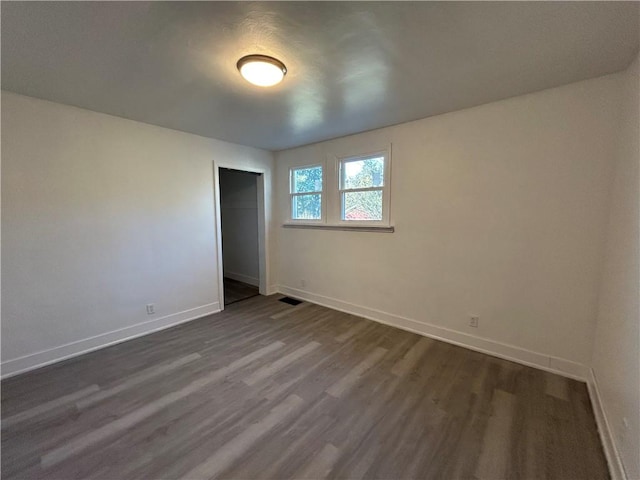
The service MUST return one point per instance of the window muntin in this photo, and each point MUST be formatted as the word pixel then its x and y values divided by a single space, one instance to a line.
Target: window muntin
pixel 305 189
pixel 362 189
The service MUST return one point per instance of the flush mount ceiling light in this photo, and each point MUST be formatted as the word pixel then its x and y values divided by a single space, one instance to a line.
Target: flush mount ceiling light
pixel 261 70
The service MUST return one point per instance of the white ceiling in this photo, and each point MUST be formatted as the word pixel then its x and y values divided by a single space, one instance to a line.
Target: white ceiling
pixel 353 66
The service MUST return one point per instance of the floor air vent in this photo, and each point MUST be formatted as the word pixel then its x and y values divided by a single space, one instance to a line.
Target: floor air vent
pixel 290 301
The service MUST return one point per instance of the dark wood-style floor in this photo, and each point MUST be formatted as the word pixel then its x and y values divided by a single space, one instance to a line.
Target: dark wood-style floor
pixel 235 291
pixel 268 390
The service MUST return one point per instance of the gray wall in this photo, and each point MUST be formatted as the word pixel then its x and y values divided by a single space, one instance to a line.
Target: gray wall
pixel 239 205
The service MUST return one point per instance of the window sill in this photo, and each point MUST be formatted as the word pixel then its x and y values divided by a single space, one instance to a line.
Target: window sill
pixel 347 228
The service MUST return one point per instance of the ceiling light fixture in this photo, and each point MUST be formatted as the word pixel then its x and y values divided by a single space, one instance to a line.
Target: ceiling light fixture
pixel 261 70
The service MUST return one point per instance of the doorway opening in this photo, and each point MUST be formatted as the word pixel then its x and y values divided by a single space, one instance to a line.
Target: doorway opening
pixel 240 234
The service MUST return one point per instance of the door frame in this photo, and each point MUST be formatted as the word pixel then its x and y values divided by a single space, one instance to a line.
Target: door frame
pixel 263 264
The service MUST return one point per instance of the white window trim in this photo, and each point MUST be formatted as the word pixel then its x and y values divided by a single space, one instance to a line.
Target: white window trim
pixel 323 196
pixel 386 189
pixel 331 214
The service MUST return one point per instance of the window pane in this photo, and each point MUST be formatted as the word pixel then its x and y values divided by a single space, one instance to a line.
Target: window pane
pixel 307 180
pixel 363 173
pixel 362 205
pixel 306 207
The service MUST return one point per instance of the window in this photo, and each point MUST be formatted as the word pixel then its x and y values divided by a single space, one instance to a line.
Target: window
pixel 348 192
pixel 362 186
pixel 306 193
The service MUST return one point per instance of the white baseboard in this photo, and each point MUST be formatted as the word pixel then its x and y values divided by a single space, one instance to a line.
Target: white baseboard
pixel 523 356
pixel 616 468
pixel 243 278
pixel 26 363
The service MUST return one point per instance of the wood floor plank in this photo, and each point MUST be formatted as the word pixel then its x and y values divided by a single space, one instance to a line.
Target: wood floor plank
pixel 346 382
pixel 293 310
pixel 282 362
pixel 137 379
pixel 321 464
pixel 65 400
pixel 235 291
pixel 497 439
pixel 232 451
pixel 412 357
pixel 353 331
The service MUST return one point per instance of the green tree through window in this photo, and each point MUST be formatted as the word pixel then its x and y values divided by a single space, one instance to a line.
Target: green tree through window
pixel 362 182
pixel 306 193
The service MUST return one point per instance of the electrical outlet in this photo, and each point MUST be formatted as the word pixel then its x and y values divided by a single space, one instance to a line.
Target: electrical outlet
pixel 474 321
pixel 303 283
pixel 151 309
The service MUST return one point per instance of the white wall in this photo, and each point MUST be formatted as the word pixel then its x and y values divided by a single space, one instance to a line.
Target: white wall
pixel 499 211
pixel 101 216
pixel 239 206
pixel 616 350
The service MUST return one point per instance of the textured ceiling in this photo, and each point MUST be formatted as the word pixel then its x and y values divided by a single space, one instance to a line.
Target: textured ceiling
pixel 353 66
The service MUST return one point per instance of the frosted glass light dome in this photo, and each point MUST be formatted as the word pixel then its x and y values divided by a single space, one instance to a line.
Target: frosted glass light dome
pixel 262 70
